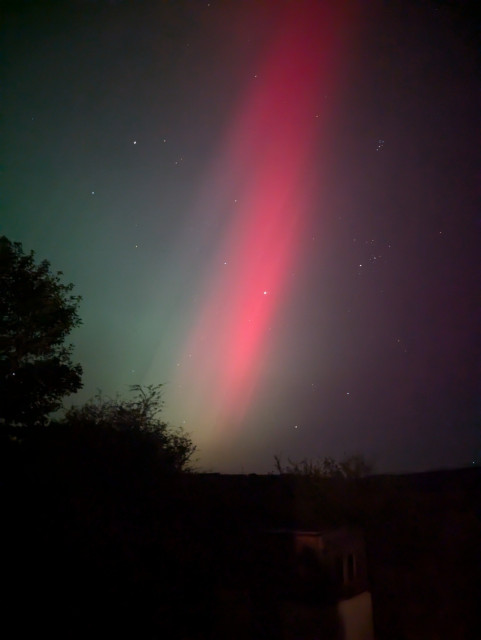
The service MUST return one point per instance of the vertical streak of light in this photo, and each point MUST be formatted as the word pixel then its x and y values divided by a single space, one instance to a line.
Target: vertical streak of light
pixel 261 179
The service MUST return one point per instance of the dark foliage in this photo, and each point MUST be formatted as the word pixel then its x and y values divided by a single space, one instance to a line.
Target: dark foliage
pixel 349 468
pixel 95 517
pixel 130 426
pixel 37 312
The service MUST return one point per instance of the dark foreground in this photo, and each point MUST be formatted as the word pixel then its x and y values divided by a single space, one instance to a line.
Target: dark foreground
pixel 96 546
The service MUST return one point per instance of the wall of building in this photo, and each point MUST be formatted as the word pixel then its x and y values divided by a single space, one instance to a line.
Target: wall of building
pixel 356 616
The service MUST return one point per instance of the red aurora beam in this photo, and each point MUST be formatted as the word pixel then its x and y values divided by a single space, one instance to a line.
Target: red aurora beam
pixel 262 176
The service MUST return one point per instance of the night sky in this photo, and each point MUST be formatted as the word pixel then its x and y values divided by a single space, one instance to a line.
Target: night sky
pixel 270 207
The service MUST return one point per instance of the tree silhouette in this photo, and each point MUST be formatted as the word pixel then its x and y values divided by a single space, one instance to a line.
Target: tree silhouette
pixel 37 312
pixel 136 422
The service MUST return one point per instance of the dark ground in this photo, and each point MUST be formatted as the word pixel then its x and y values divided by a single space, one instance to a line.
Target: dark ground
pixel 98 544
